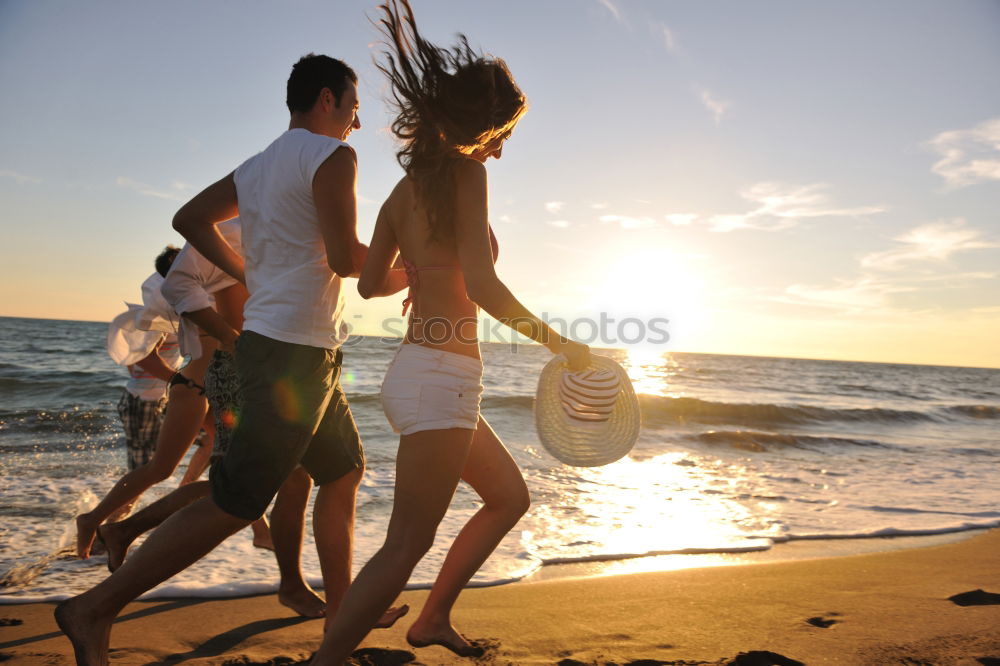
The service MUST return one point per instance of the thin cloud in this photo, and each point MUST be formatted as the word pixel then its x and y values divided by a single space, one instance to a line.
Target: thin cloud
pixel 969 156
pixel 864 293
pixel 613 8
pixel 177 191
pixel 717 107
pixel 936 242
pixel 19 178
pixel 559 224
pixel 599 205
pixel 554 206
pixel 953 279
pixel 681 219
pixel 875 290
pixel 667 35
pixel 627 222
pixel 781 206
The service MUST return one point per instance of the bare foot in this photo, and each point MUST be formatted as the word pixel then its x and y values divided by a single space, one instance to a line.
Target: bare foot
pixel 115 543
pixel 446 637
pixel 302 600
pixel 86 530
pixel 390 616
pixel 88 634
pixel 262 535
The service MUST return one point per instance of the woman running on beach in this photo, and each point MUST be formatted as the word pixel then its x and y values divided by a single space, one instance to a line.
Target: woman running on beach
pixel 456 109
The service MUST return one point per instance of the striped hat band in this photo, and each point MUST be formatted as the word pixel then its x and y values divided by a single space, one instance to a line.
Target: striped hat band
pixel 589 396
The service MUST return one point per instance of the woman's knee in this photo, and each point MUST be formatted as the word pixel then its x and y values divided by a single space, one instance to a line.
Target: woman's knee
pixel 518 502
pixel 513 501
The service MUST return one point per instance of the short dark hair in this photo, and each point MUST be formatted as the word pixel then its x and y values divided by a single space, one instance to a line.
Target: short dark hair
pixel 165 259
pixel 310 75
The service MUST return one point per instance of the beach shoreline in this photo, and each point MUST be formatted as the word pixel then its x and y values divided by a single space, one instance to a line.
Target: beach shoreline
pixel 786 551
pixel 886 607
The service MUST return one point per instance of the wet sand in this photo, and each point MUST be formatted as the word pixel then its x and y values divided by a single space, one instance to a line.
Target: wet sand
pixel 879 608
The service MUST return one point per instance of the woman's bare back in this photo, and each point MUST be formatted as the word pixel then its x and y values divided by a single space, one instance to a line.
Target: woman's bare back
pixel 441 314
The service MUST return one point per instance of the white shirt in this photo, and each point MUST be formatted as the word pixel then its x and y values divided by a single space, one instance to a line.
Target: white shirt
pixel 155 314
pixel 294 296
pixel 192 280
pixel 130 340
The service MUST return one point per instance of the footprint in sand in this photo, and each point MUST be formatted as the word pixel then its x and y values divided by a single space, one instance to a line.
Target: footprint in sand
pixel 383 657
pixel 824 621
pixel 763 658
pixel 752 658
pixel 976 598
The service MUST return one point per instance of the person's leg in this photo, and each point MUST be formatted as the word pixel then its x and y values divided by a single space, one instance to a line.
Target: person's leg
pixel 201 458
pixel 287 529
pixel 180 541
pixel 335 460
pixel 494 475
pixel 428 468
pixel 180 426
pixel 118 537
pixel 333 529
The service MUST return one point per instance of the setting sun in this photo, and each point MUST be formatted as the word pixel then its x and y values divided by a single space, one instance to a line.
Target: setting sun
pixel 648 285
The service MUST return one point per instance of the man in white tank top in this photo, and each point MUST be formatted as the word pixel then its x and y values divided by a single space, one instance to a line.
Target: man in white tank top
pixel 298 206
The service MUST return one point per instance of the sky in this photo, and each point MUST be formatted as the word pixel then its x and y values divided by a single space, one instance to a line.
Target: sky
pixel 777 178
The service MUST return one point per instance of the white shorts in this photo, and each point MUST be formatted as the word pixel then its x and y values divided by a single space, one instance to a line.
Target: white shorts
pixel 431 389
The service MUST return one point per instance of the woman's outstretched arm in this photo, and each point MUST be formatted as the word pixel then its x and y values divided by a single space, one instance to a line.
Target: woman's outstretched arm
pixel 483 287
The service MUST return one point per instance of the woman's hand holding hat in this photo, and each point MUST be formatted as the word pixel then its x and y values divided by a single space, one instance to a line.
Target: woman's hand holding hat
pixel 577 354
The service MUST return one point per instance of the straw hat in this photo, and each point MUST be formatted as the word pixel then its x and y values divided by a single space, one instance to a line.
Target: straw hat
pixel 588 418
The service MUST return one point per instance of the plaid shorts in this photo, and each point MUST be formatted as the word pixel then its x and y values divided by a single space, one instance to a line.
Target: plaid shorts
pixel 222 388
pixel 141 420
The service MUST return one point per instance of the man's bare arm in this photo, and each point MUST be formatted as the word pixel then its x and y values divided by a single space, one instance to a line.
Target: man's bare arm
pixel 196 221
pixel 212 323
pixel 225 321
pixel 335 194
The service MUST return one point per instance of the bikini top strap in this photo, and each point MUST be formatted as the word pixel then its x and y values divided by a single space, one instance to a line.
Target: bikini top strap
pixel 413 271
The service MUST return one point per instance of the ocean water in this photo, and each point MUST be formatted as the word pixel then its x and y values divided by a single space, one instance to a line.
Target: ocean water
pixel 736 453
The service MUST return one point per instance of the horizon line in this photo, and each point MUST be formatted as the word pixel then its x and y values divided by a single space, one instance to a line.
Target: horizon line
pixel 625 348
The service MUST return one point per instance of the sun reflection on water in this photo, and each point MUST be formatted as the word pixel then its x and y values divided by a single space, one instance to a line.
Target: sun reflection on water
pixel 651 371
pixel 681 508
pixel 648 506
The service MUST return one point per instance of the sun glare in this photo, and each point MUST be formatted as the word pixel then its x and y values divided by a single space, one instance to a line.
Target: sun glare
pixel 650 370
pixel 654 292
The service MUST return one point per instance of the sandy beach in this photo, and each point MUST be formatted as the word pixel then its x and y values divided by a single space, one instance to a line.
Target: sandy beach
pixel 877 608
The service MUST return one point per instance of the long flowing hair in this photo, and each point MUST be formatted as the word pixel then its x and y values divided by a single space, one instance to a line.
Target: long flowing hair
pixel 450 103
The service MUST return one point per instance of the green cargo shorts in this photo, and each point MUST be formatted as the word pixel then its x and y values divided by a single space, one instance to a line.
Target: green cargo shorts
pixel 293 411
